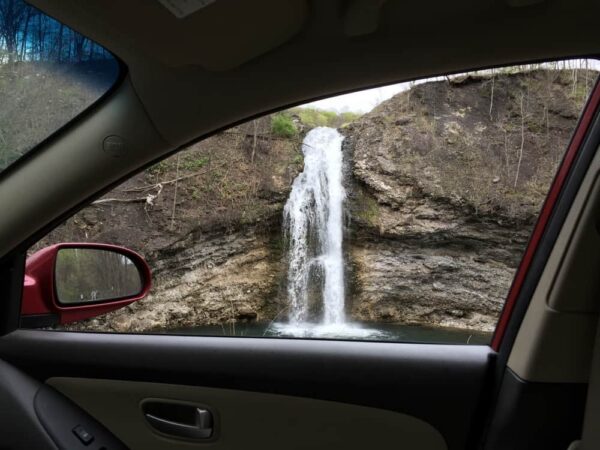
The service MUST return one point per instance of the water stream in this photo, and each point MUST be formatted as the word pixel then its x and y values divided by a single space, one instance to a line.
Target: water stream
pixel 313 227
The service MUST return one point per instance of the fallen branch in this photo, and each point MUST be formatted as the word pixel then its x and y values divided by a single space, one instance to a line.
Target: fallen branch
pixel 120 200
pixel 162 183
pixel 148 199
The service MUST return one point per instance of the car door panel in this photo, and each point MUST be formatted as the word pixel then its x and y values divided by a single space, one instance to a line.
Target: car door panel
pixel 437 386
pixel 19 425
pixel 249 419
pixel 530 415
pixel 34 415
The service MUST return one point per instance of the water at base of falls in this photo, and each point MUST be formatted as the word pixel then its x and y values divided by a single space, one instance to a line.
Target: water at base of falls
pixel 313 227
pixel 326 331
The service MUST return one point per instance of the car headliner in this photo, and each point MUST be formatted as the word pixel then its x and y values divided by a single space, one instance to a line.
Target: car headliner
pixel 235 58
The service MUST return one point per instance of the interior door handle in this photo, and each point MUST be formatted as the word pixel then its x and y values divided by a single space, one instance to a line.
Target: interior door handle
pixel 201 429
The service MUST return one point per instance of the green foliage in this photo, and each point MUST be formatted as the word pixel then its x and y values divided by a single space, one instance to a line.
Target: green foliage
pixel 283 126
pixel 159 168
pixel 194 162
pixel 298 159
pixel 313 117
pixel 368 208
pixel 188 162
pixel 349 116
pixel 316 117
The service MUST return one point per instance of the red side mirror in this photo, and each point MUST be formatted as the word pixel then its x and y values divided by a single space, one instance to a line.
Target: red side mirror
pixel 69 282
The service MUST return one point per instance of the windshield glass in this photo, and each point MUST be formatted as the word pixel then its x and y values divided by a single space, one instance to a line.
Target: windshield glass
pixel 49 74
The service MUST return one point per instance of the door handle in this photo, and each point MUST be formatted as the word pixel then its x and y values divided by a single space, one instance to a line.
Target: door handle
pixel 201 428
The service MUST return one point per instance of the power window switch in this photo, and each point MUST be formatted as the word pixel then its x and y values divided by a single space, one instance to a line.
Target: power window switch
pixel 85 437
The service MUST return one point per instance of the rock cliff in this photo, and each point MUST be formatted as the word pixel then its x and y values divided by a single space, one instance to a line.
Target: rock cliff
pixel 445 183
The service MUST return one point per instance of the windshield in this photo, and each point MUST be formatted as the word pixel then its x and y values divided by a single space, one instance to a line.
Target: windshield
pixel 49 74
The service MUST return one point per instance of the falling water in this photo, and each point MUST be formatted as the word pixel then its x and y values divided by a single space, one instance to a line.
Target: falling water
pixel 313 227
pixel 313 223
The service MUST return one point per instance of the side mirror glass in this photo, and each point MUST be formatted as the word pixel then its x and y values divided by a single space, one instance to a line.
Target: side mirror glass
pixel 69 282
pixel 84 275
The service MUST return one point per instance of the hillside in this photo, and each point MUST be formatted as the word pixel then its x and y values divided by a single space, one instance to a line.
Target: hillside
pixel 40 97
pixel 447 180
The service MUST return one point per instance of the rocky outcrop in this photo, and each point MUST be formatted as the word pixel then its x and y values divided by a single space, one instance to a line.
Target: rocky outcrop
pixel 421 259
pixel 445 184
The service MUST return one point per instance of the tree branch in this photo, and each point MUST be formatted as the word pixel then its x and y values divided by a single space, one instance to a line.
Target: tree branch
pixel 149 187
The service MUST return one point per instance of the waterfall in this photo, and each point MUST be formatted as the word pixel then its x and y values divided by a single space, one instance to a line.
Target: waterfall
pixel 314 229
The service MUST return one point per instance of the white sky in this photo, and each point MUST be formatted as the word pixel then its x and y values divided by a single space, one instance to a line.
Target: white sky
pixel 362 102
pixel 365 101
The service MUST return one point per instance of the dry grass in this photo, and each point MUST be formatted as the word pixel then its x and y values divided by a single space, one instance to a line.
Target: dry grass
pixel 497 154
pixel 40 98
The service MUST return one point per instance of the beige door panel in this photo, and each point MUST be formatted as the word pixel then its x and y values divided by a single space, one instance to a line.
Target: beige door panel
pixel 554 343
pixel 246 420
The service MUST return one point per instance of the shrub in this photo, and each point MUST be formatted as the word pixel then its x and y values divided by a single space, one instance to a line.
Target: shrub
pixel 349 116
pixel 283 126
pixel 194 162
pixel 313 117
pixel 317 118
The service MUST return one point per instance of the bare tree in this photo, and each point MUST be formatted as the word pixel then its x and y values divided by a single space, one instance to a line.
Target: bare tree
pixel 24 35
pixel 78 46
pixel 12 16
pixel 492 95
pixel 522 142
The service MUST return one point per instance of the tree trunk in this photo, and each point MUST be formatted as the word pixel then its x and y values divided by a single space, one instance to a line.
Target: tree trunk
pixel 24 37
pixel 254 140
pixel 60 43
pixel 522 143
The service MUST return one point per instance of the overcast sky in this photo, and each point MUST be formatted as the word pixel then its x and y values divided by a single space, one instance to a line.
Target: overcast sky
pixel 362 102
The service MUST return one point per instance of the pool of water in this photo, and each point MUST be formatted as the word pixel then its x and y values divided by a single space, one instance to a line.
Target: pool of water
pixel 385 332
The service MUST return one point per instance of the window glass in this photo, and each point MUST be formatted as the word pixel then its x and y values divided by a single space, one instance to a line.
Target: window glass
pixel 48 75
pixel 399 213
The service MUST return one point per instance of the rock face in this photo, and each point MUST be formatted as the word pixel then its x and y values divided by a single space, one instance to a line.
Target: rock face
pixel 422 259
pixel 445 184
pixel 443 181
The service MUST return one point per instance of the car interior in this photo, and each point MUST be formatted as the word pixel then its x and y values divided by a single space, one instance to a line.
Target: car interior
pixel 190 69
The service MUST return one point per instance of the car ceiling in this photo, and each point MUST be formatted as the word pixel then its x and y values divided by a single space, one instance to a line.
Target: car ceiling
pixel 234 59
